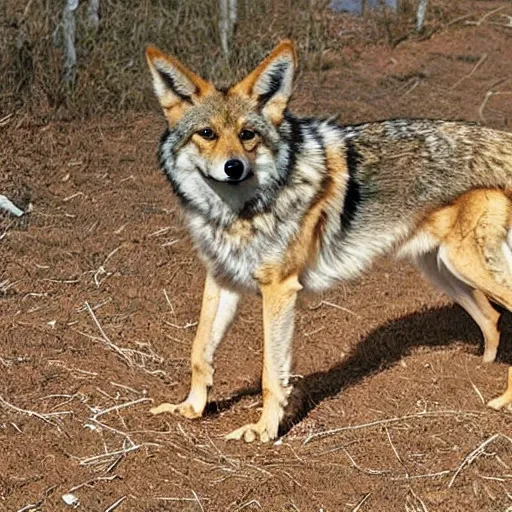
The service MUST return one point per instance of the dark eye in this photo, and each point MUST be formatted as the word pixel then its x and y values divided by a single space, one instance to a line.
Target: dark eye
pixel 247 135
pixel 207 133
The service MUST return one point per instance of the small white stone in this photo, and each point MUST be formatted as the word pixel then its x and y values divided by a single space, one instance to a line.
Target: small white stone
pixel 71 500
pixel 92 427
pixel 6 204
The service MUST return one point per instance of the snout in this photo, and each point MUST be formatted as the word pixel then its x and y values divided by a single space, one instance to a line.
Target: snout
pixel 234 169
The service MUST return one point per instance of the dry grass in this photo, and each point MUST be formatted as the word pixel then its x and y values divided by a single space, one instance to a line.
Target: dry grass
pixel 111 67
pixel 111 74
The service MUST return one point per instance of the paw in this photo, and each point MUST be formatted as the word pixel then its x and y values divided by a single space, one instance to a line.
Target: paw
pixel 500 402
pixel 489 355
pixel 252 432
pixel 185 409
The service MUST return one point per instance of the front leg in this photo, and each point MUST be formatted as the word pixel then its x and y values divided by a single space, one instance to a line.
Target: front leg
pixel 218 310
pixel 279 298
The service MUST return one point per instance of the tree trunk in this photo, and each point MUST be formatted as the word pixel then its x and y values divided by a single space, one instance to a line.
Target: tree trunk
pixel 68 40
pixel 228 14
pixel 93 13
pixel 420 14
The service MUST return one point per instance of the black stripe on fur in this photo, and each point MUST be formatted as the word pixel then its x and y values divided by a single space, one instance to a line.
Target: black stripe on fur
pixel 353 195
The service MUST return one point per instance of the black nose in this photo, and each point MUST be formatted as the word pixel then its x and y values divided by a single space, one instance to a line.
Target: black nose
pixel 234 169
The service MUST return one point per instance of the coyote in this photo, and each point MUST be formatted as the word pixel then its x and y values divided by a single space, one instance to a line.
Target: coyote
pixel 276 204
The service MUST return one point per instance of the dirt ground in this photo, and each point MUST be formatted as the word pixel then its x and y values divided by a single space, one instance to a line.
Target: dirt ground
pixel 100 291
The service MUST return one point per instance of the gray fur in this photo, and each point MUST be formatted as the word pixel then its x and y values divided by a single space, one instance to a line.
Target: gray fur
pixel 405 169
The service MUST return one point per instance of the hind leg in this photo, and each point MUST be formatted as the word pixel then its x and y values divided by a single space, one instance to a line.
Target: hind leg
pixel 472 300
pixel 506 398
pixel 483 262
pixel 489 326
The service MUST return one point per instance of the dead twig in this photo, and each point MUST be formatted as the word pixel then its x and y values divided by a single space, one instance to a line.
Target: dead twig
pixel 396 452
pixel 508 23
pixel 132 357
pixel 387 421
pixel 6 119
pixel 115 504
pixel 426 475
pixel 96 459
pixel 332 305
pixel 485 16
pixel 417 505
pixel 482 59
pixel 188 325
pixel 361 502
pixel 473 455
pixel 30 507
pixel 198 501
pixel 90 483
pixel 363 470
pixel 473 385
pixel 170 303
pixel 165 498
pixel 488 95
pixel 101 412
pixel 41 416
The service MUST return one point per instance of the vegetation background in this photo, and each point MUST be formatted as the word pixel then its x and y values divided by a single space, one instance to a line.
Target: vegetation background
pixel 111 74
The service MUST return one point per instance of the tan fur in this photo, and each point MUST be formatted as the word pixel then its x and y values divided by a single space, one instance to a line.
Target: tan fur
pixel 274 110
pixel 241 231
pixel 202 371
pixel 477 223
pixel 279 297
pixel 246 86
pixel 304 249
pixel 227 144
pixel 172 105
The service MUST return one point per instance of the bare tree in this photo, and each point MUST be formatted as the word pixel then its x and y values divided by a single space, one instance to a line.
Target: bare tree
pixel 420 14
pixel 93 13
pixel 228 15
pixel 68 42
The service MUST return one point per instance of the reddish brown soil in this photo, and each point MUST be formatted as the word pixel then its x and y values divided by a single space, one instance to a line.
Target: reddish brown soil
pixel 386 360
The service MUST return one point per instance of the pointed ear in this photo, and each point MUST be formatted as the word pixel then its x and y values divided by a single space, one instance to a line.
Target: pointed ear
pixel 176 87
pixel 270 84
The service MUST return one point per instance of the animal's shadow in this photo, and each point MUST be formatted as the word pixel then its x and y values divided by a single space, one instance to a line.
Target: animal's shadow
pixel 380 349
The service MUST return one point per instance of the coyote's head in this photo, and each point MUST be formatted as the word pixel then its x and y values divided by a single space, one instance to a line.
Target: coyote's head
pixel 225 137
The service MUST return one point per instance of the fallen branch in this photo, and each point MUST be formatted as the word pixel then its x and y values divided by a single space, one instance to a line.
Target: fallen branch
pixel 482 59
pixel 98 459
pixel 387 421
pixel 41 416
pixel 115 504
pixel 485 16
pixel 361 502
pixel 132 357
pixel 89 483
pixel 470 457
pixel 488 96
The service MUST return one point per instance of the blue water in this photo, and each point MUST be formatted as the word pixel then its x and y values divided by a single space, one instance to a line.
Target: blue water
pixel 356 6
